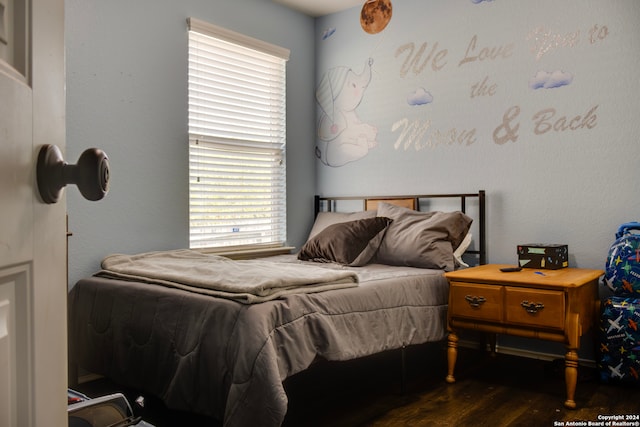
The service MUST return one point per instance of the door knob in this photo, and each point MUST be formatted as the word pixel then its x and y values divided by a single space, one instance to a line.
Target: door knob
pixel 90 174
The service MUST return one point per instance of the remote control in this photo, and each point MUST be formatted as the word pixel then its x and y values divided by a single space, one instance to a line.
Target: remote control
pixel 510 269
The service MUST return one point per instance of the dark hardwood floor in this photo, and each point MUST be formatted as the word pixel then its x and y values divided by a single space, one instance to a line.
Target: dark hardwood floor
pixel 501 391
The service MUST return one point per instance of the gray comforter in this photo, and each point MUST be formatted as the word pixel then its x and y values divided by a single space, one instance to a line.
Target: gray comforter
pixel 249 281
pixel 227 359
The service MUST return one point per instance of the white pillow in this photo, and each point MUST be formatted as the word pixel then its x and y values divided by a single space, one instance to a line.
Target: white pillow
pixel 460 250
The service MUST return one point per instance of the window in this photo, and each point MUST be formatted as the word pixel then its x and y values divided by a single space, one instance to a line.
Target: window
pixel 237 140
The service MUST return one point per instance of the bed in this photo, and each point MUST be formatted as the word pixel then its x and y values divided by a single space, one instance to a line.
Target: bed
pixel 375 285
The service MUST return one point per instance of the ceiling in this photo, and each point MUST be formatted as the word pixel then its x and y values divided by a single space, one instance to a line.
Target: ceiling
pixel 320 7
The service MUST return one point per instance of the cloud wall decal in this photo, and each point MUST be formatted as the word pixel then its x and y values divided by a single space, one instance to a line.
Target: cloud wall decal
pixel 550 79
pixel 328 33
pixel 420 97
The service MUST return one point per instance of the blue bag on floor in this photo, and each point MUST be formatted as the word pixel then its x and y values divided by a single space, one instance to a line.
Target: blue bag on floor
pixel 619 340
pixel 622 270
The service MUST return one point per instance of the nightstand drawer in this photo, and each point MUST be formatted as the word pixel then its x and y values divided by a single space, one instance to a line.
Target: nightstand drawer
pixel 476 301
pixel 535 307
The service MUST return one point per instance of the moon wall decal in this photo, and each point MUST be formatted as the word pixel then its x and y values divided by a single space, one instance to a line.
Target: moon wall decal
pixel 375 15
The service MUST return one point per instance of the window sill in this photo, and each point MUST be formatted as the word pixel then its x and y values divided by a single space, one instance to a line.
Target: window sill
pixel 250 253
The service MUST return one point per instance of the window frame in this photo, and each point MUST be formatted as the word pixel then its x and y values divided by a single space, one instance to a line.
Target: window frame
pixel 268 149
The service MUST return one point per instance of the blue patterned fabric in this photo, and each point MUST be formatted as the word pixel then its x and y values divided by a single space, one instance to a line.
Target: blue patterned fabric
pixel 622 270
pixel 619 352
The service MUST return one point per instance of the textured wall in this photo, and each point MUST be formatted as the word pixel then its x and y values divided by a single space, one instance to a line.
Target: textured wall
pixel 127 94
pixel 535 102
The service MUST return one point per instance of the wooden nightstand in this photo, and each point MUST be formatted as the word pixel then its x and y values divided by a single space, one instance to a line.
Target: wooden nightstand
pixel 555 305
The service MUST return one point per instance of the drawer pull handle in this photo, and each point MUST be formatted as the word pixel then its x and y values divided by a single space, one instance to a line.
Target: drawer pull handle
pixel 532 307
pixel 475 301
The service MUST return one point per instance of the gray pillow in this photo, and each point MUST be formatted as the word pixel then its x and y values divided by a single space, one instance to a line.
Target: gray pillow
pixel 421 239
pixel 351 243
pixel 325 219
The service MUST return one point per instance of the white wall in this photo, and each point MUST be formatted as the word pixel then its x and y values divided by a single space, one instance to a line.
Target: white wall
pixel 127 94
pixel 555 186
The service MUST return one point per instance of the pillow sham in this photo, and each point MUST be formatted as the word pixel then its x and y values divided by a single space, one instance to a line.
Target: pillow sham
pixel 421 239
pixel 460 250
pixel 325 219
pixel 351 243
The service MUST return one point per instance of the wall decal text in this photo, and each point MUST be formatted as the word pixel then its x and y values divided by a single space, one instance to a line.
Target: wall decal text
pixel 414 134
pixel 545 120
pixel 544 40
pixel 414 61
pixel 485 53
pixel 483 88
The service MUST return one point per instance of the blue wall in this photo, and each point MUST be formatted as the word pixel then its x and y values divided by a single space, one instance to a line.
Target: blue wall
pixel 535 102
pixel 127 94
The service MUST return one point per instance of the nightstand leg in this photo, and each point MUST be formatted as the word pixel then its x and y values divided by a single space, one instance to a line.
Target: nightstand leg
pixel 571 377
pixel 452 355
pixel 492 344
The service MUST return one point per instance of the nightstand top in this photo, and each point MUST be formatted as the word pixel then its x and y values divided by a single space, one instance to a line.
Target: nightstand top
pixel 490 273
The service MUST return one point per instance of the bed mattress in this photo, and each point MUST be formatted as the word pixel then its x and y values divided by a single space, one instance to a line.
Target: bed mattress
pixel 226 359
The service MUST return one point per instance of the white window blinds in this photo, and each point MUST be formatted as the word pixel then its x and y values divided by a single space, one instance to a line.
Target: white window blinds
pixel 237 139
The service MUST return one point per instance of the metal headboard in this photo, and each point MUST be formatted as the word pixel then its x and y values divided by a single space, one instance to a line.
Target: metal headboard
pixel 328 204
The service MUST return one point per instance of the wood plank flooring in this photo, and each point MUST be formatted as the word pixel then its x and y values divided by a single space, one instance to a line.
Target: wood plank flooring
pixel 501 391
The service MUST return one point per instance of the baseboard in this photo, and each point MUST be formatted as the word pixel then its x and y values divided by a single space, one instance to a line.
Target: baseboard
pixel 531 354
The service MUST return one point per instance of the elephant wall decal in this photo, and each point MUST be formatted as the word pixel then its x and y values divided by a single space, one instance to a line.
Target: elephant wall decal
pixel 342 136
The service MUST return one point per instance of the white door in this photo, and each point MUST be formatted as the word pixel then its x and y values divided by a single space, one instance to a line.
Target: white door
pixel 33 288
